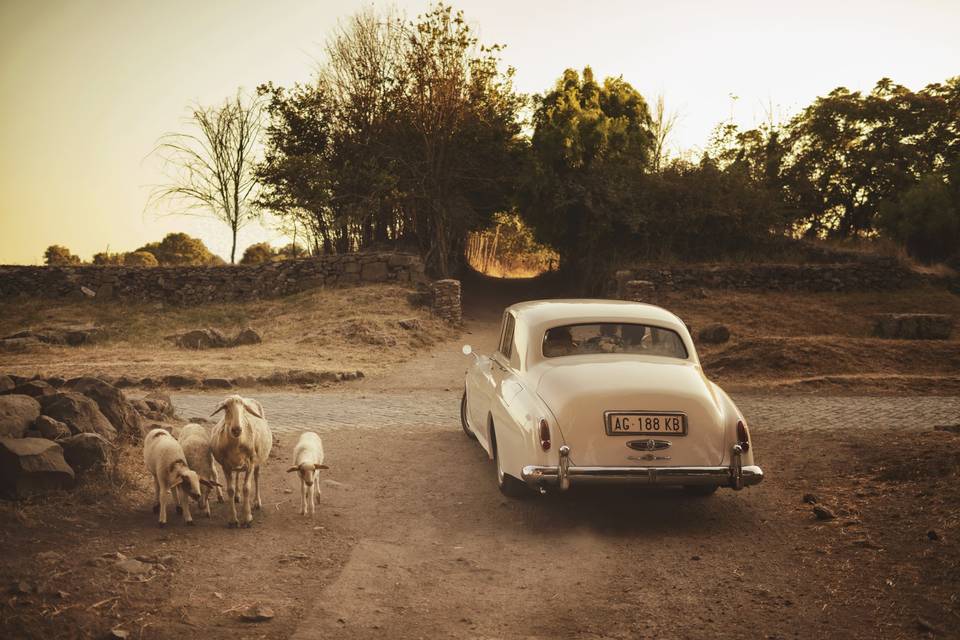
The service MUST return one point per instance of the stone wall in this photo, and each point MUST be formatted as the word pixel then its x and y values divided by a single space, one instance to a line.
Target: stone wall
pixel 195 285
pixel 875 274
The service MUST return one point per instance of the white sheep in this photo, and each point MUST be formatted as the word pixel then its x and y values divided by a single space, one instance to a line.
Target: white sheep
pixel 308 460
pixel 164 458
pixel 195 441
pixel 241 442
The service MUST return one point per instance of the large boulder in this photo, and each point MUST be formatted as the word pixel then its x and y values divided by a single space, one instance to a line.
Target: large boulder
pixel 714 334
pixel 31 466
pixel 111 401
pixel 247 337
pixel 78 412
pixel 202 339
pixel 86 451
pixel 160 402
pixel 33 388
pixel 51 429
pixel 17 413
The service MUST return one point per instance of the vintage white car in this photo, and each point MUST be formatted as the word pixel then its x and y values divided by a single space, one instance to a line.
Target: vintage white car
pixel 602 391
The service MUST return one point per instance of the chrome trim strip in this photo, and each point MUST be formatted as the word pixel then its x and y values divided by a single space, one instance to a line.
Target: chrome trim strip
pixel 722 476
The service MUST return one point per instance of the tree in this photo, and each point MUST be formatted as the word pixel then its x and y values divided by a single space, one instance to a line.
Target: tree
pixel 590 150
pixel 106 258
pixel 257 253
pixel 140 259
pixel 180 249
pixel 926 218
pixel 212 169
pixel 661 126
pixel 57 256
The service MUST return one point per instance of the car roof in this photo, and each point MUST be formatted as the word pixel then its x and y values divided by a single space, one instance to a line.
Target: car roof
pixel 540 315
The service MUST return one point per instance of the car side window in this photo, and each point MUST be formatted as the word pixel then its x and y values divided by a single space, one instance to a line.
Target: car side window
pixel 506 339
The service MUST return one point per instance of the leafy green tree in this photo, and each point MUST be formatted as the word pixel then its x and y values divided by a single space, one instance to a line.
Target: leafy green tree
pixel 591 147
pixel 140 259
pixel 181 249
pixel 57 256
pixel 926 218
pixel 106 258
pixel 257 253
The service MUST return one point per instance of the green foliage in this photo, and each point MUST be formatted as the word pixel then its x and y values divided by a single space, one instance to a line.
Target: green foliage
pixel 108 259
pixel 258 253
pixel 140 259
pixel 57 256
pixel 180 249
pixel 590 149
pixel 410 133
pixel 926 218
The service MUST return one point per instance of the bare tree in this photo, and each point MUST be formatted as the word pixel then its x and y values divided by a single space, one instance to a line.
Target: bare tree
pixel 663 123
pixel 210 171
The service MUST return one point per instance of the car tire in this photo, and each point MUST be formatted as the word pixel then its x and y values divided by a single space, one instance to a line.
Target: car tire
pixel 508 485
pixel 463 417
pixel 701 490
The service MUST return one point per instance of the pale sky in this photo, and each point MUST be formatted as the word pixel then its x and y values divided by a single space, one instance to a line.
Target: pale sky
pixel 89 85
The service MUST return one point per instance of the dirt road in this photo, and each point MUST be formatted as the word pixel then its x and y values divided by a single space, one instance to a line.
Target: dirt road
pixel 412 539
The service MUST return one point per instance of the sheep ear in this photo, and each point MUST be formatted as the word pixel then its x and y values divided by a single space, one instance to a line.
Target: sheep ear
pixel 320 466
pixel 292 469
pixel 253 408
pixel 220 407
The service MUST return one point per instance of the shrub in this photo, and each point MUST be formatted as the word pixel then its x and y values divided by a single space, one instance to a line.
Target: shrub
pixel 140 259
pixel 58 255
pixel 257 253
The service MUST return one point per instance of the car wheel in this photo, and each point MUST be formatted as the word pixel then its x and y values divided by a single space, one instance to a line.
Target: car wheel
pixel 508 485
pixel 463 417
pixel 701 490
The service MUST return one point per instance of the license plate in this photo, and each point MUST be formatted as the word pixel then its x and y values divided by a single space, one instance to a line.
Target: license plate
pixel 645 423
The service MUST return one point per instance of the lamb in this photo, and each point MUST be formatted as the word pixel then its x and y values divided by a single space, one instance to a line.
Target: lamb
pixel 241 442
pixel 196 447
pixel 308 460
pixel 164 458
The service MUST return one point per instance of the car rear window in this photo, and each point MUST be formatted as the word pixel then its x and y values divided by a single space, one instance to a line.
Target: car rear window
pixel 580 339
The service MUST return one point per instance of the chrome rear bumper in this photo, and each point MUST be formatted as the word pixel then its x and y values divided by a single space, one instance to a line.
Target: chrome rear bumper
pixel 735 476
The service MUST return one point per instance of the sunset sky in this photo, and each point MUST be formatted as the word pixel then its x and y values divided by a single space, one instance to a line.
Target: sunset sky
pixel 88 86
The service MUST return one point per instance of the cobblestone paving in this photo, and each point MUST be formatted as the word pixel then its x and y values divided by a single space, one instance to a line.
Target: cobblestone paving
pixel 440 409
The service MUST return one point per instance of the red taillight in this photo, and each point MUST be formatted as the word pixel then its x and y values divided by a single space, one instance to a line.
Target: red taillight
pixel 544 435
pixel 743 436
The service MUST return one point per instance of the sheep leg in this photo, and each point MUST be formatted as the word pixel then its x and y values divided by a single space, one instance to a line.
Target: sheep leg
pixel 247 499
pixel 230 478
pixel 176 499
pixel 316 487
pixel 303 497
pixel 156 500
pixel 184 505
pixel 205 500
pixel 257 504
pixel 216 478
pixel 162 501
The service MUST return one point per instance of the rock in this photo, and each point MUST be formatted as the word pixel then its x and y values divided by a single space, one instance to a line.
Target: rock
pixel 180 381
pixel 201 339
pixel 6 384
pixel 119 634
pixel 89 293
pixel 217 383
pixel 933 535
pixel 124 382
pixel 111 401
pixel 17 414
pixel 133 567
pixel 86 451
pixel 48 556
pixel 374 272
pixel 913 326
pixel 410 324
pixel 950 428
pixel 809 498
pixel 640 291
pixel 51 429
pixel 78 412
pixel 247 337
pixel 257 613
pixel 823 513
pixel 56 382
pixel 244 381
pixel 714 334
pixel 31 466
pixel 160 402
pixel 34 389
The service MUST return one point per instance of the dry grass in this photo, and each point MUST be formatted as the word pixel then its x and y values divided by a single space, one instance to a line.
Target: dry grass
pixel 323 329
